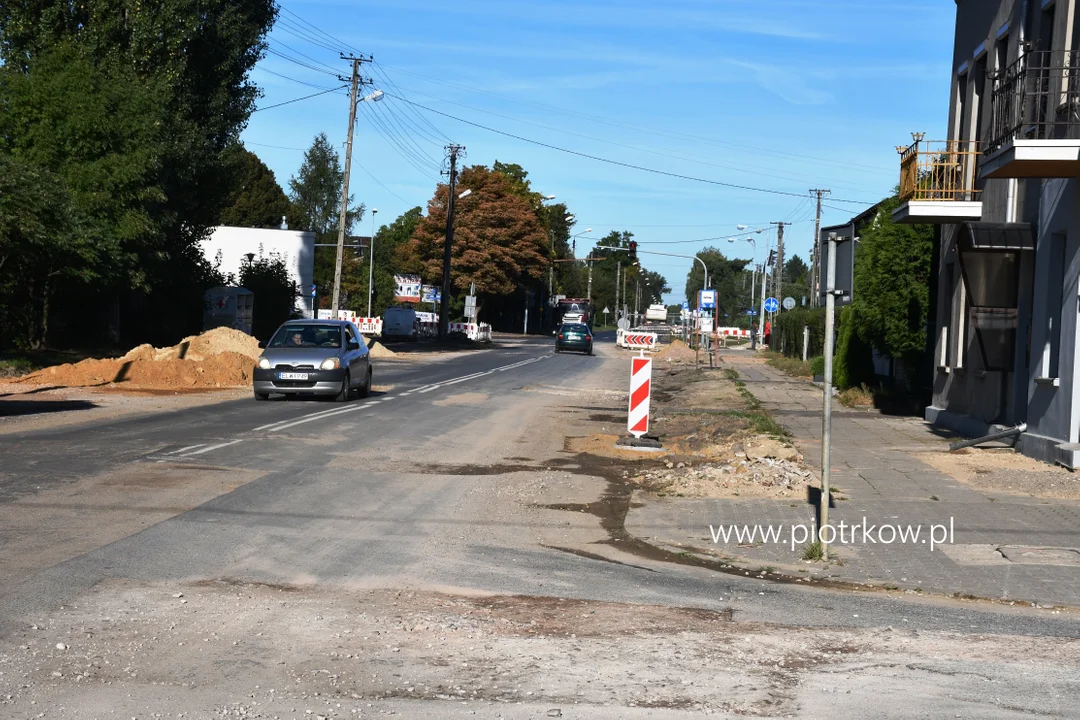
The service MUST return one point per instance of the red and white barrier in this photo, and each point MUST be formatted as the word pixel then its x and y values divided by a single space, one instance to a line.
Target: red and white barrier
pixel 478 333
pixel 636 340
pixel 637 422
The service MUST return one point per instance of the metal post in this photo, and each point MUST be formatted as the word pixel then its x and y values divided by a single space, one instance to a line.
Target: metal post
pixel 618 274
pixel 761 317
pixel 589 294
pixel 805 340
pixel 448 244
pixel 371 264
pixel 826 417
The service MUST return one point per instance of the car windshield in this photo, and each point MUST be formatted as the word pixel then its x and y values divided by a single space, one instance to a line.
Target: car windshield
pixel 575 328
pixel 307 336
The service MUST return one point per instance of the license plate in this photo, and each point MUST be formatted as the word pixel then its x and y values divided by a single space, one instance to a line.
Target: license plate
pixel 292 376
pixel 573 337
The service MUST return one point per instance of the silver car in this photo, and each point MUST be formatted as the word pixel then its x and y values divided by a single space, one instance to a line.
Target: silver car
pixel 314 357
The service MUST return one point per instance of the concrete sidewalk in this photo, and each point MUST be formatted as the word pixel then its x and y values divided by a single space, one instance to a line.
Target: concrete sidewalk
pixel 1004 546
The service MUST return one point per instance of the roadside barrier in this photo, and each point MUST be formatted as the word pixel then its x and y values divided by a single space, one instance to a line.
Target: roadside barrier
pixel 636 340
pixel 637 421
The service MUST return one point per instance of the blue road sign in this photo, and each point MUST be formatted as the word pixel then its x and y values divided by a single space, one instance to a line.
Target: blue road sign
pixel 751 312
pixel 313 290
pixel 685 304
pixel 771 305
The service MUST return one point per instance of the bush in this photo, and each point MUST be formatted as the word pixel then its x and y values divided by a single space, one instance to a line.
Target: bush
pixel 854 363
pixel 787 332
pixel 817 365
pixel 791 366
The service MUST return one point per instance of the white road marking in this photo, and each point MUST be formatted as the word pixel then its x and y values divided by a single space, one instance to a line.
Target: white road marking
pixel 286 424
pixel 312 418
pixel 185 449
pixel 212 447
pixel 314 414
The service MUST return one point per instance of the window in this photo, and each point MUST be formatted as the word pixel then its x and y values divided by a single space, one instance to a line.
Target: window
pixel 1055 307
pixel 307 336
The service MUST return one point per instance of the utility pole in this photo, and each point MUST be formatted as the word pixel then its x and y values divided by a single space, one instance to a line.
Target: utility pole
pixel 815 298
pixel 444 306
pixel 779 272
pixel 356 83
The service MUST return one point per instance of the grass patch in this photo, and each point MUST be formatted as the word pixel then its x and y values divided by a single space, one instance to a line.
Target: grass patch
pixel 15 363
pixel 791 366
pixel 861 396
pixel 814 552
pixel 756 416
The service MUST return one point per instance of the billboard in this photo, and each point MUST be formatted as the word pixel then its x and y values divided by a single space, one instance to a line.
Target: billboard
pixel 407 288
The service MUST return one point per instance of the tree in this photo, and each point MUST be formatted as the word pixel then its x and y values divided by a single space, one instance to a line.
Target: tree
pixel 605 278
pixel 316 197
pixel 892 267
pixel 499 242
pixel 726 276
pixel 132 107
pixel 257 201
pixel 795 270
pixel 275 293
pixel 389 240
pixel 41 250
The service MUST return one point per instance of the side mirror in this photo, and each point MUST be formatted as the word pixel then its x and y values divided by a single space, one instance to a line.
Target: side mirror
pixel 354 345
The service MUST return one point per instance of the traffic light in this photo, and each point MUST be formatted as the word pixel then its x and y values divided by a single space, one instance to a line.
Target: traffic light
pixel 772 257
pixel 633 249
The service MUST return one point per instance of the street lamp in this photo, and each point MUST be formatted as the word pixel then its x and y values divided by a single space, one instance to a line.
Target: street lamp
pixel 465 194
pixel 371 262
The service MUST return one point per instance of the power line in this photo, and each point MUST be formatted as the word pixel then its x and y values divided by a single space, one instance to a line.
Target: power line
pixel 301 82
pixel 301 63
pixel 296 100
pixel 319 30
pixel 619 163
pixel 381 185
pixel 652 151
pixel 426 166
pixel 291 49
pixel 616 123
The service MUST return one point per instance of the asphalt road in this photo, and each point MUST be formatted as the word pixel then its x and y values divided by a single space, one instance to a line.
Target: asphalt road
pixel 374 493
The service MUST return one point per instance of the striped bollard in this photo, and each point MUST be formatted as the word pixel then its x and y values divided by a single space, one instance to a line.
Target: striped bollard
pixel 640 388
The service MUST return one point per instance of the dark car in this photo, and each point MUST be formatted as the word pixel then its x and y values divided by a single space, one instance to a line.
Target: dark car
pixel 314 357
pixel 574 336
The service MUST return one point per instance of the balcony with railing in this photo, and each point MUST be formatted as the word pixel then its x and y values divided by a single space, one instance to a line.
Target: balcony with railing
pixel 1035 130
pixel 937 182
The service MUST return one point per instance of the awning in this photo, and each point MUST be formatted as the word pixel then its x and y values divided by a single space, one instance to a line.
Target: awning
pixel 996 236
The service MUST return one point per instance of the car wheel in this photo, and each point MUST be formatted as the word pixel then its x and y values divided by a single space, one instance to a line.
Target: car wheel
pixel 365 390
pixel 589 351
pixel 557 349
pixel 346 389
pixel 261 396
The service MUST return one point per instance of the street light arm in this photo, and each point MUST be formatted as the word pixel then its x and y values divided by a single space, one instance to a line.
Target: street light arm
pixel 654 252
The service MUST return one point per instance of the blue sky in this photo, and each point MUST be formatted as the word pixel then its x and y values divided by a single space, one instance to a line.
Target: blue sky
pixel 785 95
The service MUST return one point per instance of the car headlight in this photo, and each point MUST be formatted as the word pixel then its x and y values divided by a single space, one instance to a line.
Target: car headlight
pixel 330 364
pixel 264 364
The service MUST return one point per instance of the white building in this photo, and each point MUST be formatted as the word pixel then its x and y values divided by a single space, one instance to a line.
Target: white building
pixel 296 248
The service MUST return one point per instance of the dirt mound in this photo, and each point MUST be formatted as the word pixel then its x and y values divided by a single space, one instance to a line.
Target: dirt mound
pixel 200 347
pixel 675 351
pixel 380 351
pixel 222 357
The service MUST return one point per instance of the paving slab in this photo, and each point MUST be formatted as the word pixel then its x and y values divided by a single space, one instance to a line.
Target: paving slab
pixel 970 541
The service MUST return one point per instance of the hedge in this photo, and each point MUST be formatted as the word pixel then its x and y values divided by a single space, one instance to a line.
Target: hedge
pixel 787 331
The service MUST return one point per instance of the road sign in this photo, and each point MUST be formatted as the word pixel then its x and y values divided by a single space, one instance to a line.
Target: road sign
pixel 313 290
pixel 789 303
pixel 623 324
pixel 771 305
pixel 685 304
pixel 706 299
pixel 606 311
pixel 470 306
pixel 637 421
pixel 751 312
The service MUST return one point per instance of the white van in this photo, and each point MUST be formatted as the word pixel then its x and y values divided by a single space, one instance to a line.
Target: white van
pixel 400 323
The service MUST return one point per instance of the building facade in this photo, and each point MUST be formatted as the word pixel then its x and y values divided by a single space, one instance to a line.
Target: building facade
pixel 1002 191
pixel 230 247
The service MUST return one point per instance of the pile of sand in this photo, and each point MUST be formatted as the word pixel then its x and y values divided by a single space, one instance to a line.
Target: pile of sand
pixel 676 351
pixel 378 350
pixel 222 357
